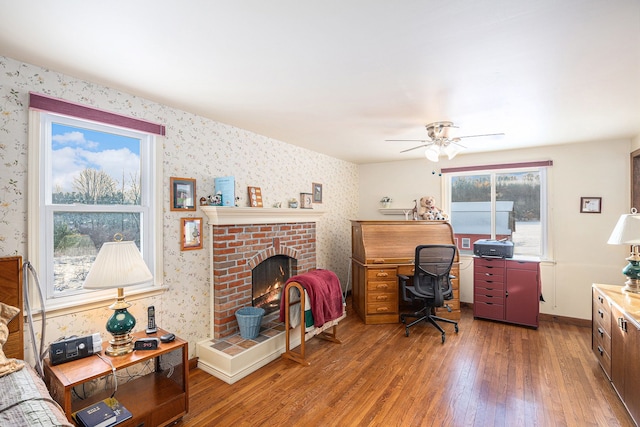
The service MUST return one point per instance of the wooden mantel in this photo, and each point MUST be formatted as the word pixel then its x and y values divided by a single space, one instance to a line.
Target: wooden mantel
pixel 218 215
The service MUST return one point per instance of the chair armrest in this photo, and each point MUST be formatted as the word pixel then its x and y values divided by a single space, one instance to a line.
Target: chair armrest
pixel 403 283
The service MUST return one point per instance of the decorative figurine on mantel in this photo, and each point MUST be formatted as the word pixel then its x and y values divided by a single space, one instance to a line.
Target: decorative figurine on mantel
pixel 293 203
pixel 386 202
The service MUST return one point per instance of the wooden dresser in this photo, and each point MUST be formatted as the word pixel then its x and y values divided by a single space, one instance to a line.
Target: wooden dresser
pixel 616 341
pixel 380 250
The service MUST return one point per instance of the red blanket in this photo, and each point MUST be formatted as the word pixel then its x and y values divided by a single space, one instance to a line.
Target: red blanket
pixel 325 295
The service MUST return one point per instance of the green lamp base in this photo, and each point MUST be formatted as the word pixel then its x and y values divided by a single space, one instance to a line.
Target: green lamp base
pixel 120 325
pixel 632 271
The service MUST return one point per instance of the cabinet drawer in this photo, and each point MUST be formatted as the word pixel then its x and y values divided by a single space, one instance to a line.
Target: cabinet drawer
pixel 522 265
pixel 602 316
pixel 489 272
pixel 488 283
pixel 489 262
pixel 488 310
pixel 604 357
pixel 488 292
pixel 601 339
pixel 382 286
pixel 381 273
pixel 491 299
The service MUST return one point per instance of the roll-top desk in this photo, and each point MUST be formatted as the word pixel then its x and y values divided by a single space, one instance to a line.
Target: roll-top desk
pixel 380 250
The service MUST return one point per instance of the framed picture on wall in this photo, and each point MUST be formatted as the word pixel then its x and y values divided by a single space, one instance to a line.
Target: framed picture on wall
pixel 183 194
pixel 190 234
pixel 306 201
pixel 590 204
pixel 317 192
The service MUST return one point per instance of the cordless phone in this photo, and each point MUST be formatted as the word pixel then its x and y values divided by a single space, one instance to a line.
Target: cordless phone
pixel 151 325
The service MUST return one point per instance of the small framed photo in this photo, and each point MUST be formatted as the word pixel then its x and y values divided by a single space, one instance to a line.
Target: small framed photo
pixel 183 194
pixel 255 197
pixel 191 234
pixel 306 201
pixel 590 204
pixel 317 192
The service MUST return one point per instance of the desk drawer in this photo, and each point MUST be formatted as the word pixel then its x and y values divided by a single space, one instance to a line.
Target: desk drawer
pixel 382 274
pixel 382 297
pixel 382 286
pixel 491 299
pixel 382 307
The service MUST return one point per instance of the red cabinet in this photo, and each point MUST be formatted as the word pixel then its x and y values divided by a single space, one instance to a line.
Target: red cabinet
pixel 507 290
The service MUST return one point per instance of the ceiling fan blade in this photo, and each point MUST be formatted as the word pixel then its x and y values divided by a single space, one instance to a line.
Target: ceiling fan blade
pixel 407 140
pixel 415 148
pixel 477 136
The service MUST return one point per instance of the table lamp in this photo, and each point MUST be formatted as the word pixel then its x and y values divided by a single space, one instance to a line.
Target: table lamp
pixel 627 232
pixel 118 264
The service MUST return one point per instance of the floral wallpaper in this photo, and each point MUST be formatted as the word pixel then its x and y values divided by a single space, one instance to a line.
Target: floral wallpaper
pixel 194 147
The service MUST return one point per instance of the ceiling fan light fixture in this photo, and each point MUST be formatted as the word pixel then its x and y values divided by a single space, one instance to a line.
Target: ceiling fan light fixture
pixel 432 152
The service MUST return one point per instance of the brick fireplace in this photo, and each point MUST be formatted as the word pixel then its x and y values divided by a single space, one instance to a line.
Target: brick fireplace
pixel 242 238
pixel 238 249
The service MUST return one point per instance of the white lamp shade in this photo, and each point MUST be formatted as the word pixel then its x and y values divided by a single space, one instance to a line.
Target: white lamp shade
pixel 452 150
pixel 118 264
pixel 627 231
pixel 432 152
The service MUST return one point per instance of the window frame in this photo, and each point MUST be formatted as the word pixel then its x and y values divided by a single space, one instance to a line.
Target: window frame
pixel 492 171
pixel 41 210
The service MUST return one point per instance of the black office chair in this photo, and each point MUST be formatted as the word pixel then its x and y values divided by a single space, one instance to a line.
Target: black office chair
pixel 431 285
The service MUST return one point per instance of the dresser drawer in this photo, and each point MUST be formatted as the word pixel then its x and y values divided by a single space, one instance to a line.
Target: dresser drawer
pixel 601 339
pixel 382 274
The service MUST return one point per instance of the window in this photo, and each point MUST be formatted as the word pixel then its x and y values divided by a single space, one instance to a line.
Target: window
pixel 89 182
pixel 502 203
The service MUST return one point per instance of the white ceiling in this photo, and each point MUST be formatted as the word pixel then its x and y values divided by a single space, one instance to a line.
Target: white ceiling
pixel 342 76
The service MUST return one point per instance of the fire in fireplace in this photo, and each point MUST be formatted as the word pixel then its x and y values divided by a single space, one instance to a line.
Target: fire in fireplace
pixel 267 280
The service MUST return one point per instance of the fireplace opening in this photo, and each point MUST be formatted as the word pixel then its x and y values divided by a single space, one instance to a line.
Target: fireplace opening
pixel 268 279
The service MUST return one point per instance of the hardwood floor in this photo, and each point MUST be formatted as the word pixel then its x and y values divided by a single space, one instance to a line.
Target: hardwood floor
pixel 489 374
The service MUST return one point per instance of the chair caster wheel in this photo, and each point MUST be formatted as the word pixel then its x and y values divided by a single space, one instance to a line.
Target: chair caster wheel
pixel 443 338
pixel 406 332
pixel 456 329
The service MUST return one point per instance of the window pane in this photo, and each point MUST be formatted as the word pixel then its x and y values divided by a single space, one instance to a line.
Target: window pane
pixel 518 211
pixel 470 209
pixel 78 236
pixel 93 167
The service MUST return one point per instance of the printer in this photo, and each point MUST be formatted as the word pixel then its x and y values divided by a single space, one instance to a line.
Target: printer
pixel 493 248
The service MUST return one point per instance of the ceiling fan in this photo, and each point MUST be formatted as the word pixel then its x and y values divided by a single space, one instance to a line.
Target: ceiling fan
pixel 439 142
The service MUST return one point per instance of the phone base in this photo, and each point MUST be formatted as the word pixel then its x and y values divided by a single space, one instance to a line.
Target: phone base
pixel 151 331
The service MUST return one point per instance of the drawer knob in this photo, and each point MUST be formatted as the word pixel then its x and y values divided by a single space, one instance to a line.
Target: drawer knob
pixel 382 274
pixel 601 351
pixel 382 309
pixel 382 286
pixel 382 297
pixel 601 313
pixel 601 332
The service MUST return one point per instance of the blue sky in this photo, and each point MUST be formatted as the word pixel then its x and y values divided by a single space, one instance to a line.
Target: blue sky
pixel 75 149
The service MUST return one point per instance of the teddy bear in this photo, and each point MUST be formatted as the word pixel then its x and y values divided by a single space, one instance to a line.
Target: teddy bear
pixel 429 211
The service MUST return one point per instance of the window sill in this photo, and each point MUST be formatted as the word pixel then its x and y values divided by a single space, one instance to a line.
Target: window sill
pixel 101 301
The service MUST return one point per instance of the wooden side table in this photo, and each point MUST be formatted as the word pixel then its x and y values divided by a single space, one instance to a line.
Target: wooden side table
pixel 155 399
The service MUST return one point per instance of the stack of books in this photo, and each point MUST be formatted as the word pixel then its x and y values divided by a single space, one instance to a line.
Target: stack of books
pixel 106 413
